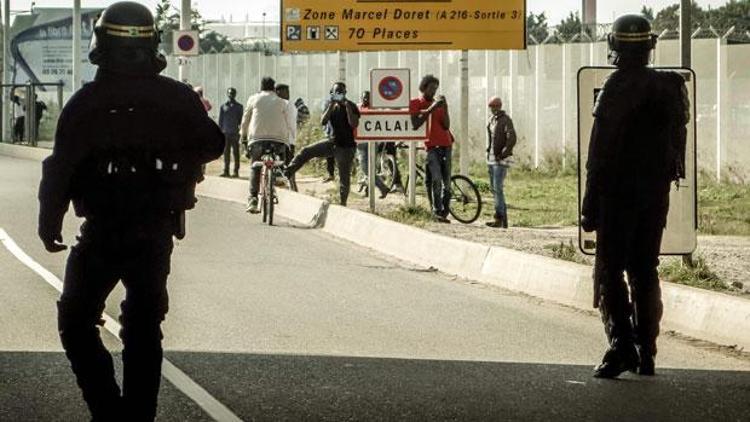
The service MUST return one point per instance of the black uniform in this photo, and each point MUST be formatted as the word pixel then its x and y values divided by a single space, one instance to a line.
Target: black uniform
pixel 128 153
pixel 637 149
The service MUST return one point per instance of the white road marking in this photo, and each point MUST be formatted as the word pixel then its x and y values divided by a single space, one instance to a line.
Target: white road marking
pixel 179 379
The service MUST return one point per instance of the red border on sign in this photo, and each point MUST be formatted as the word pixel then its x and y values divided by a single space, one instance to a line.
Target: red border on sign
pixel 391 138
pixel 386 80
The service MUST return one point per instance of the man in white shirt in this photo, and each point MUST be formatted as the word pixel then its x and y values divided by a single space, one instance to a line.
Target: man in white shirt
pixel 264 121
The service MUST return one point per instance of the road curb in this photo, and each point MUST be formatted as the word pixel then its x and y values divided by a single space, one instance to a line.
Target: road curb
pixel 703 314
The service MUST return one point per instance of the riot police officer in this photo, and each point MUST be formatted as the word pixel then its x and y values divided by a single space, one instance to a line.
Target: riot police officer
pixel 637 149
pixel 128 152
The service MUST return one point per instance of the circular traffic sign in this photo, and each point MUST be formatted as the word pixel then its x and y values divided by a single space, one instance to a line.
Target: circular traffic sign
pixel 390 88
pixel 186 43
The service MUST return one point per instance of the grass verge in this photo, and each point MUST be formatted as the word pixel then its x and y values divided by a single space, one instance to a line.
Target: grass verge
pixel 699 275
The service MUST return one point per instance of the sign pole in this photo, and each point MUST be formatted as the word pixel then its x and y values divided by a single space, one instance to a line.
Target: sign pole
pixel 185 11
pixel 76 45
pixel 6 70
pixel 463 143
pixel 412 174
pixel 371 174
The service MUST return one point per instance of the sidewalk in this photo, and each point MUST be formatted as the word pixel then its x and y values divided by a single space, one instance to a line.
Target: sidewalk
pixel 728 256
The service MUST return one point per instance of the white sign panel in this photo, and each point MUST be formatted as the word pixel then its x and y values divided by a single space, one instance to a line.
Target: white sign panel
pixel 388 126
pixel 186 43
pixel 680 235
pixel 390 88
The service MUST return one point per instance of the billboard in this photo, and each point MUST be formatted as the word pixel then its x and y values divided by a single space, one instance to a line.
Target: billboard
pixel 41 46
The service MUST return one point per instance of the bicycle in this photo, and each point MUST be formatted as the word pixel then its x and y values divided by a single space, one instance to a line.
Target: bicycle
pixel 466 202
pixel 385 169
pixel 271 163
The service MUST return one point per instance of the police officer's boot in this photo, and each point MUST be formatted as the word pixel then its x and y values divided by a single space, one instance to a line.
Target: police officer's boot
pixel 620 357
pixel 646 363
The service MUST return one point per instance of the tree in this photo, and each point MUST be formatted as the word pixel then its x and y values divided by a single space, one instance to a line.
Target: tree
pixel 572 26
pixel 669 18
pixel 648 13
pixel 537 27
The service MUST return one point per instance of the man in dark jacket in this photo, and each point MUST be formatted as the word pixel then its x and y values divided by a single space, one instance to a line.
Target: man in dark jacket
pixel 128 153
pixel 501 138
pixel 230 117
pixel 637 149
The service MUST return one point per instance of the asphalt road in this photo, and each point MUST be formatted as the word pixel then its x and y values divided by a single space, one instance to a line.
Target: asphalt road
pixel 286 323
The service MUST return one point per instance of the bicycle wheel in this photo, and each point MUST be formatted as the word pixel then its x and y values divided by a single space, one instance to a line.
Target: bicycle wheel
pixel 271 195
pixel 264 192
pixel 466 203
pixel 387 170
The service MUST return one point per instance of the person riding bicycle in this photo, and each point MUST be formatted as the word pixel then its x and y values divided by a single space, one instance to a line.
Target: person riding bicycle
pixel 265 121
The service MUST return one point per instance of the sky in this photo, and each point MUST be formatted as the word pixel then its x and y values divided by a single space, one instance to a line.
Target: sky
pixel 556 10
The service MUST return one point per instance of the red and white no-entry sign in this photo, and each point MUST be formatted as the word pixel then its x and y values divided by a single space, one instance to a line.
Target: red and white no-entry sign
pixel 390 88
pixel 186 43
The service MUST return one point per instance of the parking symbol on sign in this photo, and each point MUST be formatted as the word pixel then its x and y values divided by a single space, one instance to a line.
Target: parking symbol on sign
pixel 313 32
pixel 293 32
pixel 332 32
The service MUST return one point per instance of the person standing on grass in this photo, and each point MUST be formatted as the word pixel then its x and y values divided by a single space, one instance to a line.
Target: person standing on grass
pixel 341 117
pixel 439 144
pixel 363 155
pixel 230 117
pixel 501 138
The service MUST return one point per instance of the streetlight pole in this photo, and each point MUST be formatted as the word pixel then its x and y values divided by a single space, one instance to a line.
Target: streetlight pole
pixel 185 12
pixel 686 32
pixel 76 45
pixel 6 70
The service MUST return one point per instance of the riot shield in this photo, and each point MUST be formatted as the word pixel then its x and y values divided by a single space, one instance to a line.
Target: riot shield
pixel 680 235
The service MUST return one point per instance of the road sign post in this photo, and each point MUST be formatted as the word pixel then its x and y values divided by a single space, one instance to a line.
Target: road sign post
pixel 389 125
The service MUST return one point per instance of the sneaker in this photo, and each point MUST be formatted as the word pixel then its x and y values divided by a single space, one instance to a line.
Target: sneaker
pixel 328 179
pixel 252 206
pixel 398 189
pixel 440 219
pixel 384 193
pixel 236 175
pixel 225 174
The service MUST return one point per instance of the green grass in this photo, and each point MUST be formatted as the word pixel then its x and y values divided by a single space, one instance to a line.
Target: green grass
pixel 724 209
pixel 699 275
pixel 567 252
pixel 414 216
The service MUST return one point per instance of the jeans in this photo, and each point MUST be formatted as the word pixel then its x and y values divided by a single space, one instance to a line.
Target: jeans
pixel 438 179
pixel 497 179
pixel 105 255
pixel 232 146
pixel 343 156
pixel 363 154
pixel 255 153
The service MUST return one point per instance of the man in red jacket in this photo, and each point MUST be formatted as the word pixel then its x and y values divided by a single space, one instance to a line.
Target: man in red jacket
pixel 438 144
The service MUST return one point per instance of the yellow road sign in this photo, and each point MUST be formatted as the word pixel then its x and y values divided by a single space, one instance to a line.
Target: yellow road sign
pixel 371 25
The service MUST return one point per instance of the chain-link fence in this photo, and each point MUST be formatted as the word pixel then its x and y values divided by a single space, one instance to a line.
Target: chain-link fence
pixel 538 87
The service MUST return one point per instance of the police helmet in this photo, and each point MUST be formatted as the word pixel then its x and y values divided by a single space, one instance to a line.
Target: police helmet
pixel 631 34
pixel 125 36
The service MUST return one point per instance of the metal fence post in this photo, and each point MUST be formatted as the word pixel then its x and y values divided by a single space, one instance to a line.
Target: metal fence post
pixel 464 143
pixel 564 104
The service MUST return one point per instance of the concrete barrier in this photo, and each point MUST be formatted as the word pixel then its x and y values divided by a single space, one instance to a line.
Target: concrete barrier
pixel 292 205
pixel 408 243
pixel 707 315
pixel 712 316
pixel 25 152
pixel 559 281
